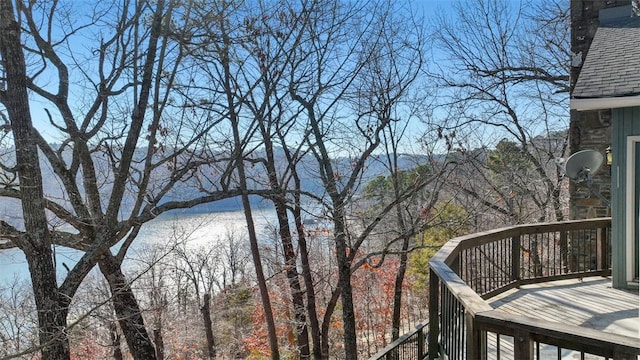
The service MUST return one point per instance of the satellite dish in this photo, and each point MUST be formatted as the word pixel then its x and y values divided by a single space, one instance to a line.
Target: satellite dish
pixel 583 164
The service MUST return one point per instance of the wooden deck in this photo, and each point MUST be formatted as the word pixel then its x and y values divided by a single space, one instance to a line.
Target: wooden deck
pixel 590 302
pixel 568 319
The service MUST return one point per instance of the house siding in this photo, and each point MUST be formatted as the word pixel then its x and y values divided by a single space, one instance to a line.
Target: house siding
pixel 626 122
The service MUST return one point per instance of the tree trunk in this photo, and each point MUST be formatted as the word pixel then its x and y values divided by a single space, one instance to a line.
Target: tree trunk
pixel 328 176
pixel 343 253
pixel 302 334
pixel 52 306
pixel 291 259
pixel 157 337
pixel 208 326
pixel 326 322
pixel 397 291
pixel 310 292
pixel 346 290
pixel 115 341
pixel 312 312
pixel 246 204
pixel 127 309
pixel 257 263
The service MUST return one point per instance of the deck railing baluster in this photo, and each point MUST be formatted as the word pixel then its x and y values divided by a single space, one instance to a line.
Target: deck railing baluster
pixel 564 256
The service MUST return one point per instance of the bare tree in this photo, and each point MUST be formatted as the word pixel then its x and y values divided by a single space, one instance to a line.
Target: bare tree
pixel 200 267
pixel 235 261
pixel 17 319
pixel 507 77
pixel 36 244
pixel 129 146
pixel 220 61
pixel 271 32
pixel 347 106
pixel 260 59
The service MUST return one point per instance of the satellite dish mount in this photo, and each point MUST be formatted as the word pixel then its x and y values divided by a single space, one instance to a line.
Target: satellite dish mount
pixel 581 166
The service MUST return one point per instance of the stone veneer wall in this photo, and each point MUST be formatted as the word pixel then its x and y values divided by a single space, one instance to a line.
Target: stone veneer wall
pixel 588 129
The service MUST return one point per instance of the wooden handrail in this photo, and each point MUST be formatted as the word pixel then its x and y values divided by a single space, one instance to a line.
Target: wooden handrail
pixel 448 253
pixel 473 302
pixel 454 246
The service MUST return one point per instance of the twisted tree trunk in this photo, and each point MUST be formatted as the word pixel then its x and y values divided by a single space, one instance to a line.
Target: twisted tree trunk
pixel 127 309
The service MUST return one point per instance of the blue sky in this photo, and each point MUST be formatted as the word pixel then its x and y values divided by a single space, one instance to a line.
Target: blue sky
pixel 429 8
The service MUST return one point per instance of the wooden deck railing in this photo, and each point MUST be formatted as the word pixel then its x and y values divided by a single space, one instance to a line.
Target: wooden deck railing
pixel 469 269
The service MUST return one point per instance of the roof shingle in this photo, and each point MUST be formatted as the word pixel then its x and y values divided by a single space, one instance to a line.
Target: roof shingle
pixel 612 66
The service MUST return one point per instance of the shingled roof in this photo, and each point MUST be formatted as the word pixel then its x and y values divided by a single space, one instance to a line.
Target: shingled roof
pixel 612 66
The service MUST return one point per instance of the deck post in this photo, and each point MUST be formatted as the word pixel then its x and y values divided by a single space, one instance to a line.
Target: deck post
pixel 476 346
pixel 522 345
pixel 434 319
pixel 421 343
pixel 515 258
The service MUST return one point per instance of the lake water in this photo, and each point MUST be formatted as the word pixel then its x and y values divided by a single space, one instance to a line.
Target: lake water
pixel 199 229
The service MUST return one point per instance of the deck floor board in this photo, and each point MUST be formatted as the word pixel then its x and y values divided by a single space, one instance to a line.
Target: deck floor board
pixel 590 302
